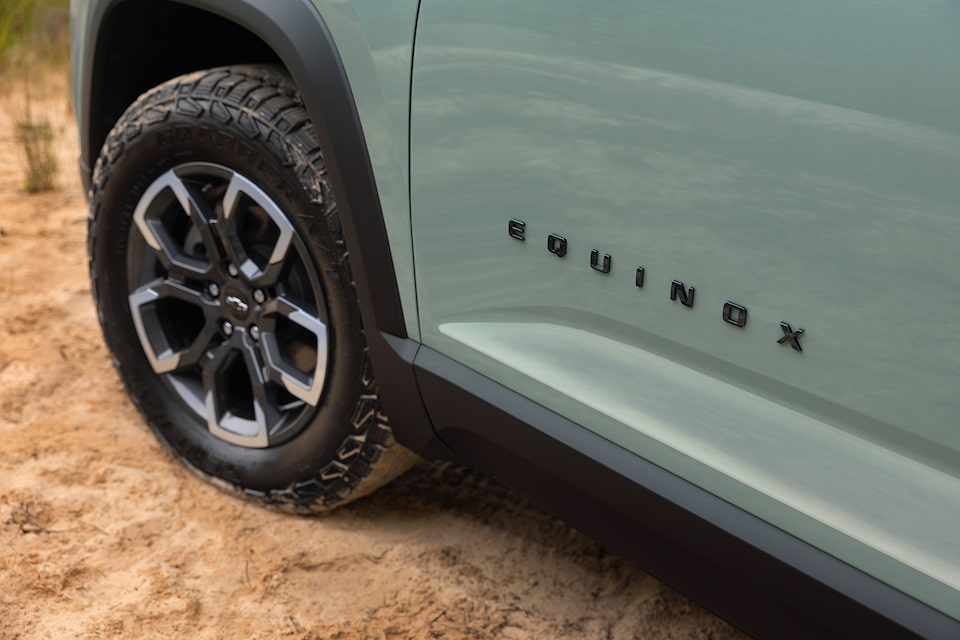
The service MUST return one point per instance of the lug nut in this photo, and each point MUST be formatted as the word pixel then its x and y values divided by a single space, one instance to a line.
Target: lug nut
pixel 259 296
pixel 227 328
pixel 255 332
pixel 232 270
pixel 213 289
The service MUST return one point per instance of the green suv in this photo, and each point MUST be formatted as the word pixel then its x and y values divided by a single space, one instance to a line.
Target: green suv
pixel 683 272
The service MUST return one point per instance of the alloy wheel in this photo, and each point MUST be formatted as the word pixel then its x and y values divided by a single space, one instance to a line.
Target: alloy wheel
pixel 227 305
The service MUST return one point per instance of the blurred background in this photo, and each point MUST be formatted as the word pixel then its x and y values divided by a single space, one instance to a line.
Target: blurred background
pixel 34 65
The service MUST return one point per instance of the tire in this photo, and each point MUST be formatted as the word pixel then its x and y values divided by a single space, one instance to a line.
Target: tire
pixel 224 290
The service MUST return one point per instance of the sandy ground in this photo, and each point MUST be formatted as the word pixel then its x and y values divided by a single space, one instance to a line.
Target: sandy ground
pixel 102 535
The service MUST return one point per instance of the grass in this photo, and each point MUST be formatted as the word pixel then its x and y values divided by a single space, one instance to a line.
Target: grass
pixel 16 17
pixel 33 31
pixel 34 42
pixel 36 138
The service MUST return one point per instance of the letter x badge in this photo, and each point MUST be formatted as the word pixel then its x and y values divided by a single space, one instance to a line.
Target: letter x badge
pixel 790 336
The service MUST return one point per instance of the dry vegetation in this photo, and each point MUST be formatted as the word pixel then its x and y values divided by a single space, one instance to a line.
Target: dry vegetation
pixel 34 44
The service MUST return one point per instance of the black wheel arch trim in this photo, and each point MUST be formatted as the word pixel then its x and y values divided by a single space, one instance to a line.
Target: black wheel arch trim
pixel 297 33
pixel 758 577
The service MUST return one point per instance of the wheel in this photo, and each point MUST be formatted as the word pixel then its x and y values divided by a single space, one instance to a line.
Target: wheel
pixel 224 291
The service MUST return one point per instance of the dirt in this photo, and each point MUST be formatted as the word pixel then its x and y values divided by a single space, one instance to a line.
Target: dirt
pixel 103 535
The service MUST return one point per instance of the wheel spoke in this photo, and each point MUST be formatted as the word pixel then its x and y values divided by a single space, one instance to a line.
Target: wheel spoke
pixel 239 413
pixel 259 249
pixel 305 385
pixel 165 200
pixel 264 402
pixel 202 216
pixel 193 354
pixel 153 307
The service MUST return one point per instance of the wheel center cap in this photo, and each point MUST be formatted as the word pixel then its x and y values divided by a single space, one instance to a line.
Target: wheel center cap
pixel 237 303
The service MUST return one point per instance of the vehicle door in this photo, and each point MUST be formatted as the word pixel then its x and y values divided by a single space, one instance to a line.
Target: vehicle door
pixel 721 235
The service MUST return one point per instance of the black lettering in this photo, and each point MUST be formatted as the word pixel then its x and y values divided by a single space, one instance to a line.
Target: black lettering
pixel 165 138
pixel 247 152
pixel 640 273
pixel 595 261
pixel 734 314
pixel 679 290
pixel 204 135
pixel 214 138
pixel 224 140
pixel 517 229
pixel 557 245
pixel 790 336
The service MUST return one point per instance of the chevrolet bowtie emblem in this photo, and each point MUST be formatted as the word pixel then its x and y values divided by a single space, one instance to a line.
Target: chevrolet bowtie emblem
pixel 238 304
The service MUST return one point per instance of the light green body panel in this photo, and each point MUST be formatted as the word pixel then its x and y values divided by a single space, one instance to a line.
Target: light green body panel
pixel 799 159
pixel 375 42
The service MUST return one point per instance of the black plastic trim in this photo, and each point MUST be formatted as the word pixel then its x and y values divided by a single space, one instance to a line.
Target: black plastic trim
pixel 758 577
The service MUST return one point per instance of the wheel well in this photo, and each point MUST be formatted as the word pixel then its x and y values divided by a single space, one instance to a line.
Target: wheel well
pixel 143 44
